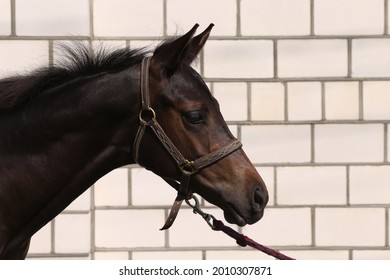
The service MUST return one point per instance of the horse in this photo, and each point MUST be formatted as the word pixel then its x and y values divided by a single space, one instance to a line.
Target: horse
pixel 64 126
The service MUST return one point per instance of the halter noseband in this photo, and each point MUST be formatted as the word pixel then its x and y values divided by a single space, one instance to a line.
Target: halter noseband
pixel 147 118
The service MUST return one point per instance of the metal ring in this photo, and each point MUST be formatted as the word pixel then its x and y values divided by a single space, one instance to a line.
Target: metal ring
pixel 146 115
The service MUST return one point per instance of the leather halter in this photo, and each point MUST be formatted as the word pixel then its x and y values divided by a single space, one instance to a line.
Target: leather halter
pixel 147 118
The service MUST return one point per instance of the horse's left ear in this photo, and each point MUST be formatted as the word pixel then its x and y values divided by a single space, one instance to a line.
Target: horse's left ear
pixel 196 45
pixel 170 54
pixel 184 49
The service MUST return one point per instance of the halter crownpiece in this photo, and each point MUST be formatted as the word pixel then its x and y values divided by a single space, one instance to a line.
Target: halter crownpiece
pixel 148 118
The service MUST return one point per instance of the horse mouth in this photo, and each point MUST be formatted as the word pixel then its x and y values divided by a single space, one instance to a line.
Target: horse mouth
pixel 233 216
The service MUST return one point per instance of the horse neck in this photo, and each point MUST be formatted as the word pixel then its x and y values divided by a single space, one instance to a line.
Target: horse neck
pixel 62 143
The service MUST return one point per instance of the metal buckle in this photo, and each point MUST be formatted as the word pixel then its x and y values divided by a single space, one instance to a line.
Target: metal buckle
pixel 188 166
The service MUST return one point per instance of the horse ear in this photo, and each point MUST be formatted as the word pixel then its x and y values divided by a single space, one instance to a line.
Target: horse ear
pixel 170 54
pixel 196 45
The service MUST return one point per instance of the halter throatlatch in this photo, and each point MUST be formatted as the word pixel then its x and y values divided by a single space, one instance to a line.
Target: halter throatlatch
pixel 147 118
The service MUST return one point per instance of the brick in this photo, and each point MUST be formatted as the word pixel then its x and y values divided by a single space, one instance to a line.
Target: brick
pixel 369 185
pixel 304 101
pixel 22 56
pixel 376 100
pixel 41 241
pixel 82 203
pixel 311 185
pixel 238 254
pixel 318 254
pixel 111 256
pixel 267 174
pixel 183 14
pixel 277 143
pixel 233 100
pixel 312 58
pixel 370 58
pixel 282 227
pixel 148 189
pixel 350 227
pixel 371 254
pixel 128 18
pixel 238 59
pixel 115 228
pixel 52 17
pixel 167 255
pixel 72 233
pixel 5 17
pixel 341 100
pixel 187 222
pixel 349 143
pixel 112 189
pixel 348 17
pixel 267 102
pixel 274 17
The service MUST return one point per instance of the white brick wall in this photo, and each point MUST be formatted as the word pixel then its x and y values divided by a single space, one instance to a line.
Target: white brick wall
pixel 307 92
pixel 370 58
pixel 52 17
pixel 238 59
pixel 21 56
pixel 349 17
pixel 312 58
pixel 5 17
pixel 274 17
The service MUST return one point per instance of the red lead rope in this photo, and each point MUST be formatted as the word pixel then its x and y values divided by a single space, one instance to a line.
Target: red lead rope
pixel 241 239
pixel 244 240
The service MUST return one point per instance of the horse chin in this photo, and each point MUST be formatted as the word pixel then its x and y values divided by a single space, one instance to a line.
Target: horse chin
pixel 234 217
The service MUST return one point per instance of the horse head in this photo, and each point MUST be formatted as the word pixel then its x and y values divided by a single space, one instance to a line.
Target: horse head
pixel 190 117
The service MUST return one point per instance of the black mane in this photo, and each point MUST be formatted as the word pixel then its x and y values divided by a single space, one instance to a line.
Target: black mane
pixel 79 60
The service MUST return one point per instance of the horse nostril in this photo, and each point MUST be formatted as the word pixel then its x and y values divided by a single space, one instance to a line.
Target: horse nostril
pixel 259 199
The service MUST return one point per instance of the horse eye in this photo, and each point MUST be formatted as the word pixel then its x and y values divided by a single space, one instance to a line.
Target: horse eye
pixel 194 117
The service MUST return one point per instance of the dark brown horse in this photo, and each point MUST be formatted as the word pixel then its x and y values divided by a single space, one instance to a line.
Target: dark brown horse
pixel 64 127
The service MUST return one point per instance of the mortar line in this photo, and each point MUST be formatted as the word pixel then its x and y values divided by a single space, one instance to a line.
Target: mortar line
pixel 387 227
pixel 285 85
pixel 275 171
pixel 51 53
pixel 13 18
pixel 93 222
pixel 323 103
pixel 313 226
pixel 275 61
pixel 249 100
pixel 52 233
pixel 348 191
pixel 386 18
pixel 91 20
pixel 129 186
pixel 361 100
pixel 165 23
pixel 312 27
pixel 312 138
pixel 386 141
pixel 238 19
pixel 349 58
